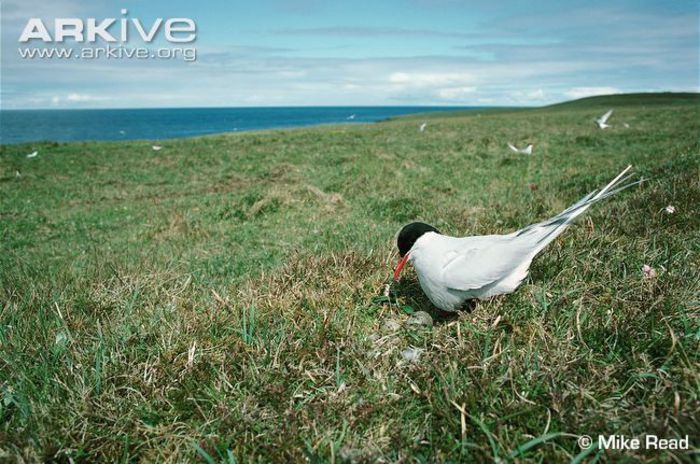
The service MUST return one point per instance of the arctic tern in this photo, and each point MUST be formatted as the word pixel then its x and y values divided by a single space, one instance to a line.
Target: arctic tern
pixel 452 270
pixel 523 151
pixel 603 120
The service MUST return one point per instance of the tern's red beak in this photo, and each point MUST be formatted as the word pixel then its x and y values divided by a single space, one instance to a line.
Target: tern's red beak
pixel 400 266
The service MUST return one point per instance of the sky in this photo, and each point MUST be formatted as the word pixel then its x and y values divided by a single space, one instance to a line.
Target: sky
pixel 388 52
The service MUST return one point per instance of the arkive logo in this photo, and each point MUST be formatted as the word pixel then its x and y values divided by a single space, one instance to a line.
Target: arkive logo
pixel 110 30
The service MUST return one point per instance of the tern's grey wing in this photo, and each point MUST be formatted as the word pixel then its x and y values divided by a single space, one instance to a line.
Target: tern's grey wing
pixel 476 267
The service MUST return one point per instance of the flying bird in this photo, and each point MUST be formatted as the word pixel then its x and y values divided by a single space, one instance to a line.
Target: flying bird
pixel 157 147
pixel 423 126
pixel 452 270
pixel 603 120
pixel 524 151
pixel 32 154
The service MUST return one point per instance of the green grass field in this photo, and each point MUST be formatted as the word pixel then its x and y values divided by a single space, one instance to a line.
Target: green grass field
pixel 216 300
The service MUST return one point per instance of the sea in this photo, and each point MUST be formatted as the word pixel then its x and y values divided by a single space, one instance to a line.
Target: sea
pixel 21 126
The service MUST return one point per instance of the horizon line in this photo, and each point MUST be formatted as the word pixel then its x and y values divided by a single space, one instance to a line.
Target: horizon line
pixel 435 105
pixel 264 106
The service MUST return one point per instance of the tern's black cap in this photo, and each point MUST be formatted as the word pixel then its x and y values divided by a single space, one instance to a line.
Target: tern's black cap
pixel 410 233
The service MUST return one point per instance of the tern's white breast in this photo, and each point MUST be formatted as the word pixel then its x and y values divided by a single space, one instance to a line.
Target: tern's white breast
pixel 429 255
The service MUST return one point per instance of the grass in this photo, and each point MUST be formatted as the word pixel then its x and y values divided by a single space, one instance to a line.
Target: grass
pixel 215 301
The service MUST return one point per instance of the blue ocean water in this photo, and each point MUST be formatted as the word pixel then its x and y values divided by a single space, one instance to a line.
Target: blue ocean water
pixel 17 126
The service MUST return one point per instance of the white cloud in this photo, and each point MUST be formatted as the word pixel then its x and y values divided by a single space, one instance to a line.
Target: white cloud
pixel 456 93
pixel 422 79
pixel 77 98
pixel 528 97
pixel 581 92
pixel 453 87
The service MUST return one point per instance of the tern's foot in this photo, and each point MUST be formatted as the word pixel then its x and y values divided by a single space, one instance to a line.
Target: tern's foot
pixel 440 315
pixel 468 306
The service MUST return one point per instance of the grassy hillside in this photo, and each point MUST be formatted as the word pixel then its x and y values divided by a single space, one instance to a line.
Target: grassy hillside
pixel 632 99
pixel 216 300
pixel 597 103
